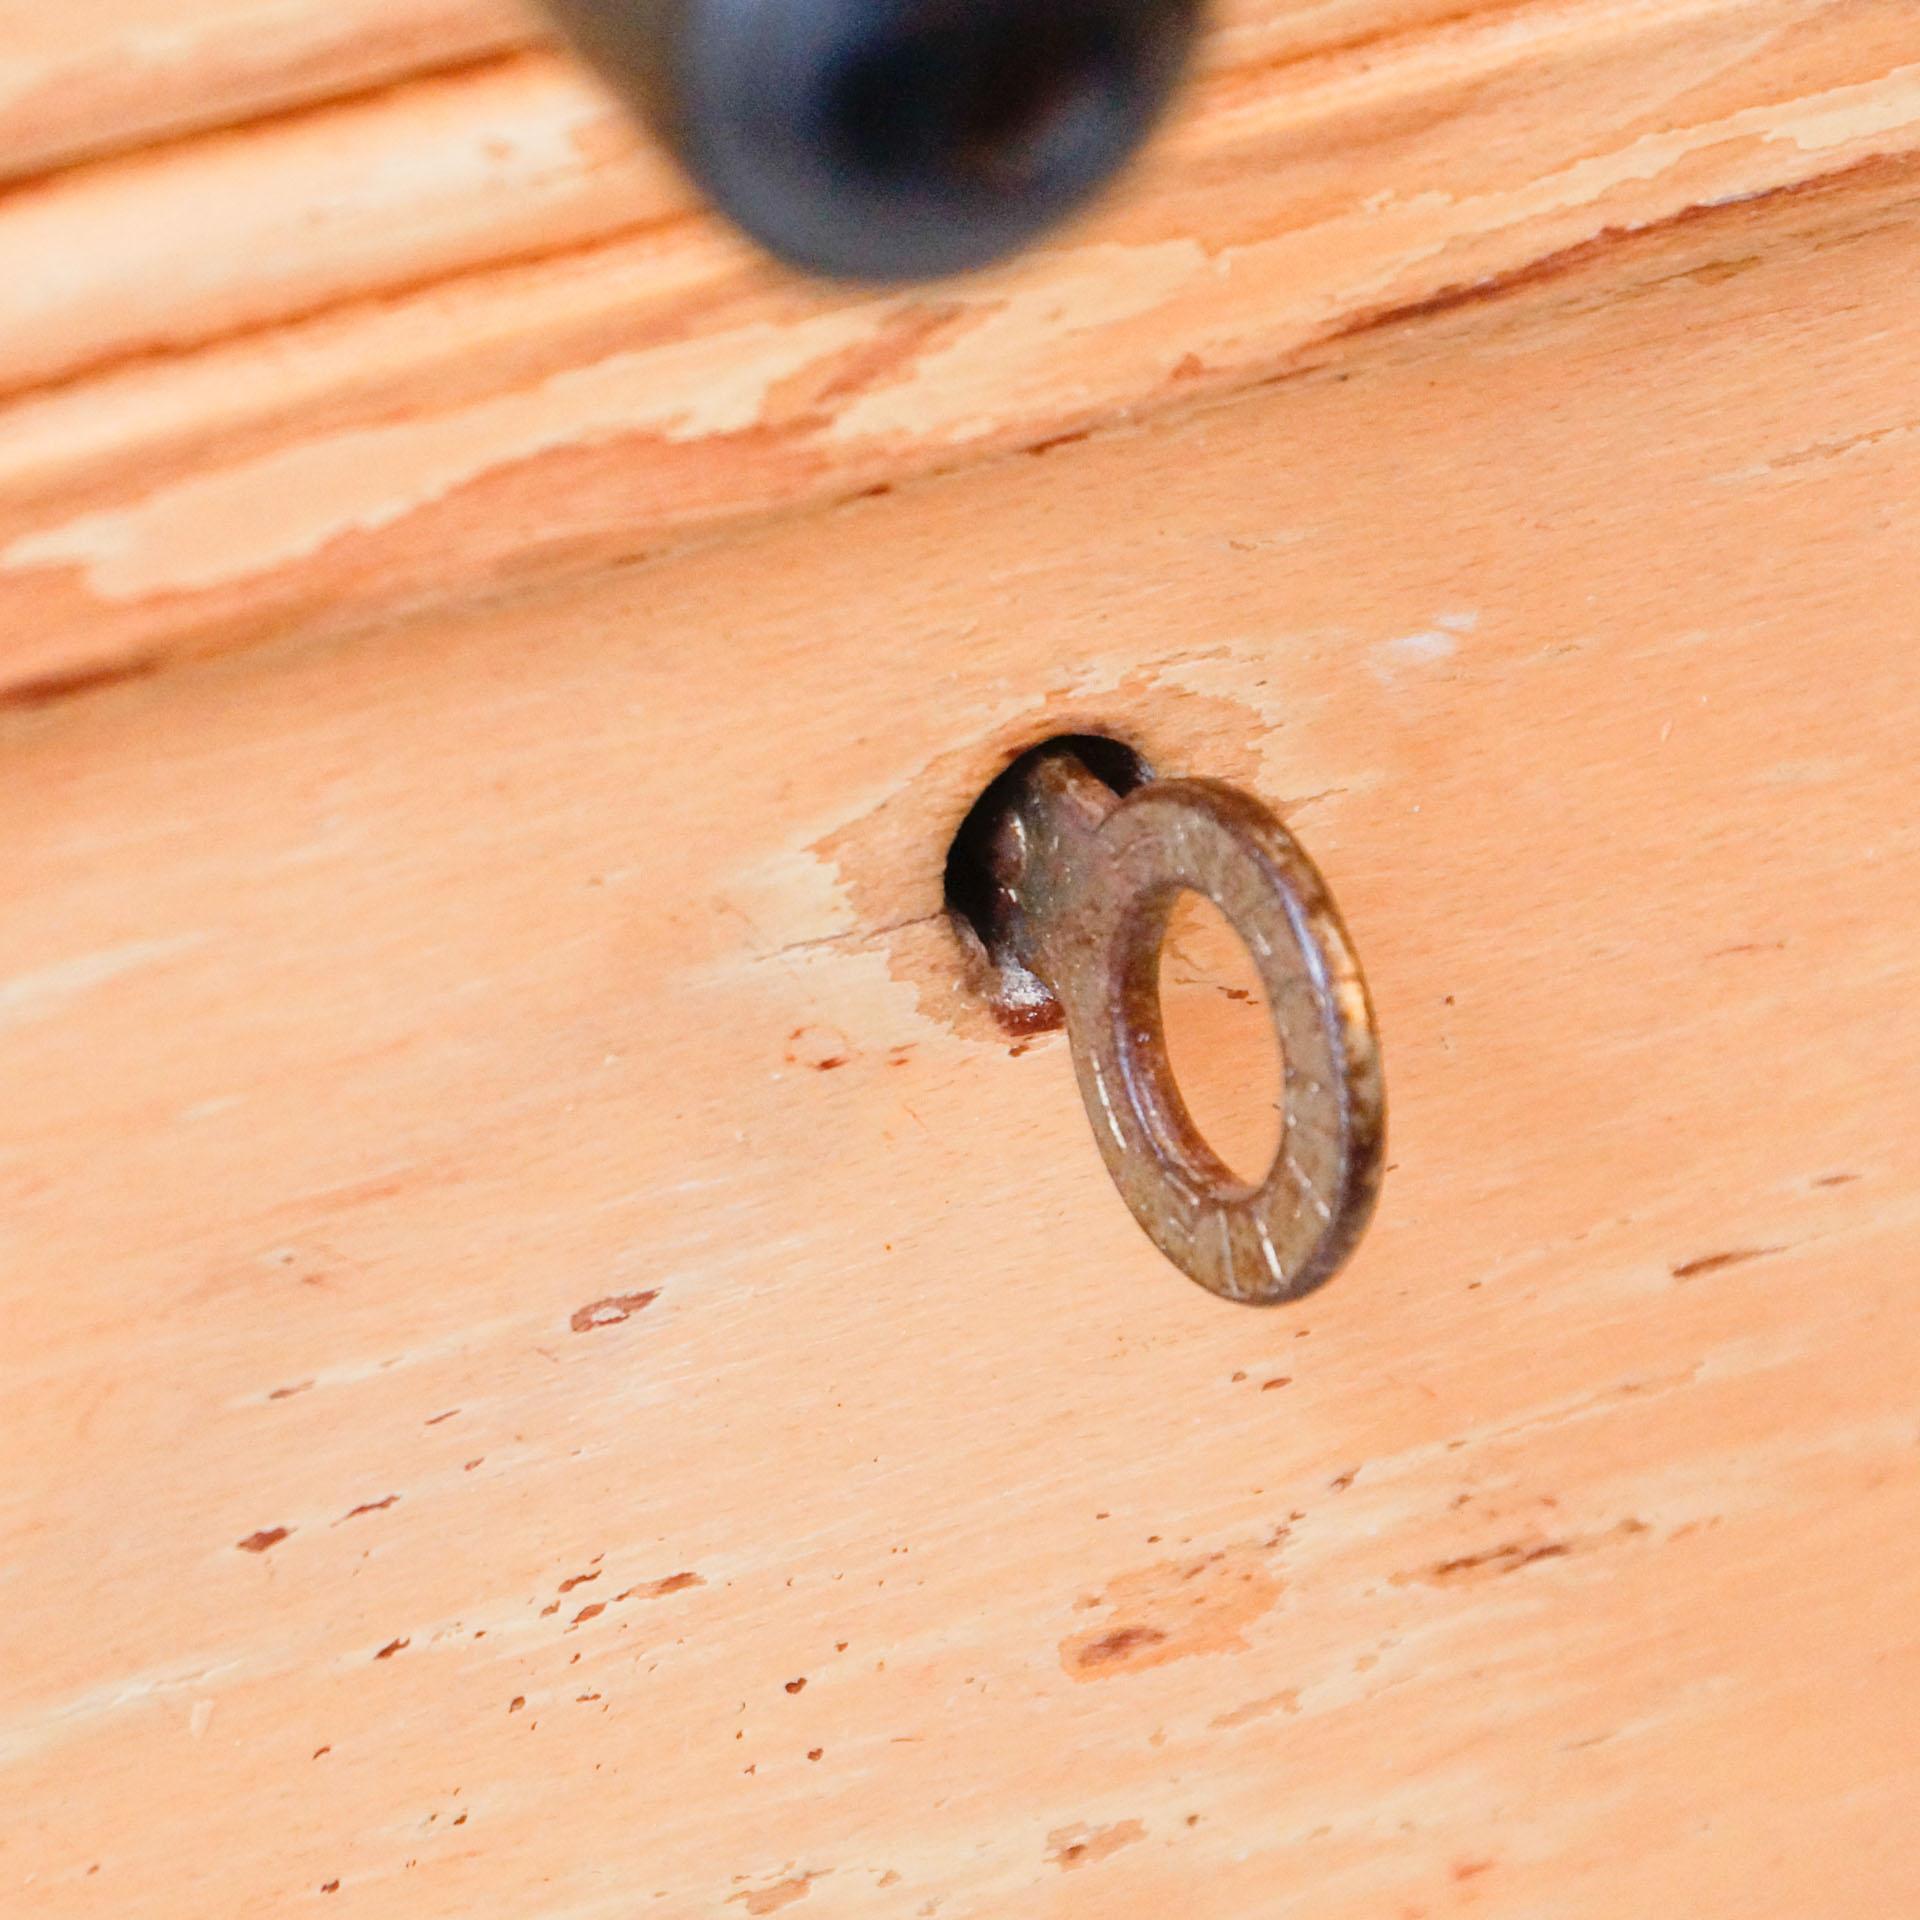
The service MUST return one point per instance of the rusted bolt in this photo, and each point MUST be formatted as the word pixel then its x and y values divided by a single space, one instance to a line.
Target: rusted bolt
pixel 1084 879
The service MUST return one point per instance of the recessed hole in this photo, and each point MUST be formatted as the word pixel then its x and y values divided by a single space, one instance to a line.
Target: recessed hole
pixel 979 902
pixel 1220 1038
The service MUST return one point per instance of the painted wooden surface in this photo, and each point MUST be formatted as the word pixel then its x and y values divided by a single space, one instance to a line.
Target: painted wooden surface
pixel 89 77
pixel 468 334
pixel 556 1366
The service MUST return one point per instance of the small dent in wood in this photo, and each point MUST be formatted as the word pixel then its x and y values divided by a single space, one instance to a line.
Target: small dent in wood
pixel 611 1311
pixel 1085 1846
pixel 1177 1609
pixel 1719 1262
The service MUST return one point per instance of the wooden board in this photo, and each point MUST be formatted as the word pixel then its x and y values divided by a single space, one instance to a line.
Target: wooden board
pixel 90 77
pixel 469 335
pixel 556 1366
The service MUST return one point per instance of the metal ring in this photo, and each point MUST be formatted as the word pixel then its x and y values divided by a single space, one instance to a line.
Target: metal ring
pixel 1279 1239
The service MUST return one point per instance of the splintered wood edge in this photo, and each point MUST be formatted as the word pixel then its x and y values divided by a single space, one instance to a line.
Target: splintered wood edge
pixel 472 335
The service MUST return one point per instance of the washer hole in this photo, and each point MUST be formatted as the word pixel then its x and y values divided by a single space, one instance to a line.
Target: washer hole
pixel 1222 1046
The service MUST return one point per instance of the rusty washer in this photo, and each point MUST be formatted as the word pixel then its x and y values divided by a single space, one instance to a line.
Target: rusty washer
pixel 1092 879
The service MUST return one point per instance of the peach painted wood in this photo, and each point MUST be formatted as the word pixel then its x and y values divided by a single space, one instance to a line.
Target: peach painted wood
pixel 471 334
pixel 79 78
pixel 556 1366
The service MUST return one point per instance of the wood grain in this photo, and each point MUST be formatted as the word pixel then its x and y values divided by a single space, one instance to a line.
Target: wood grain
pixel 555 1366
pixel 87 77
pixel 471 335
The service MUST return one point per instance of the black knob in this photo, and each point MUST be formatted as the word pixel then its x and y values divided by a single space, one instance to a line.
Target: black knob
pixel 893 139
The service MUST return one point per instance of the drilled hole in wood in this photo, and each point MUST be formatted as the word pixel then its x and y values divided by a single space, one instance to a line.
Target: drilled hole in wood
pixel 981 903
pixel 1221 1042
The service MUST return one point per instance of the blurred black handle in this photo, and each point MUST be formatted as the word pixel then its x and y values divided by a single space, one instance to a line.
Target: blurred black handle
pixel 888 140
